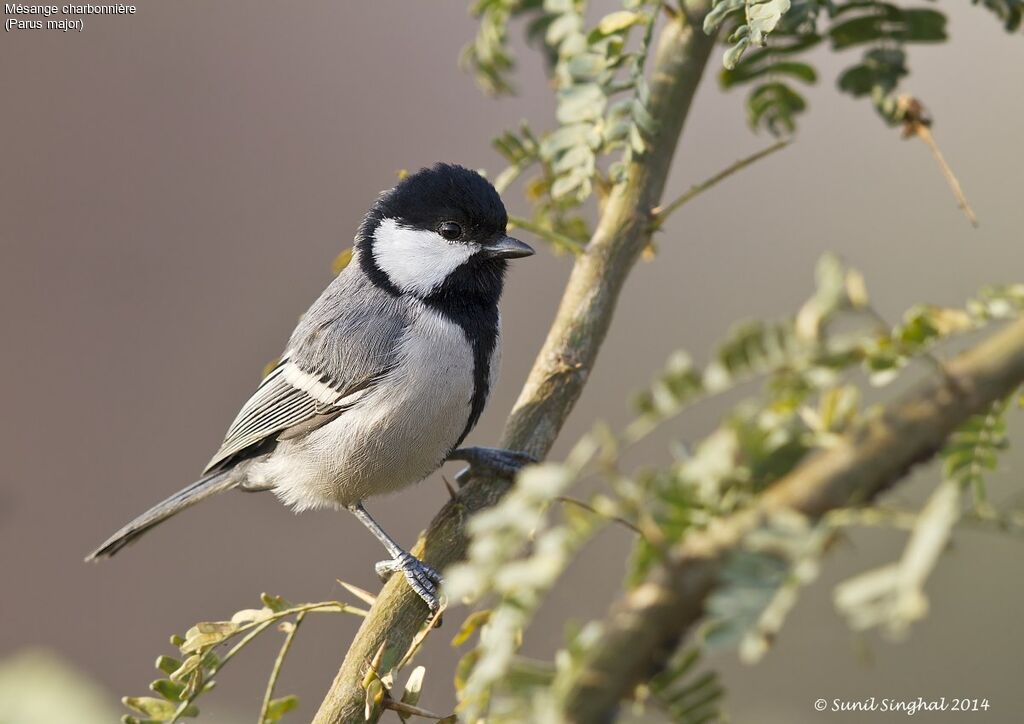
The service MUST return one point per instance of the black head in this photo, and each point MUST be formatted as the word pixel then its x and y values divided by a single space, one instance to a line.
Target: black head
pixel 440 230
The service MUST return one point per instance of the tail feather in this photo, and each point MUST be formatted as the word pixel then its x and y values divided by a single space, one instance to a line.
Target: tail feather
pixel 200 490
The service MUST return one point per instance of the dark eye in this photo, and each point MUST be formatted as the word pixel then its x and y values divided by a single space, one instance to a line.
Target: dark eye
pixel 450 230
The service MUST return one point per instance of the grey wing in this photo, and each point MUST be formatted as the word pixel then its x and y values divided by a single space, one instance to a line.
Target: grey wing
pixel 288 398
pixel 343 346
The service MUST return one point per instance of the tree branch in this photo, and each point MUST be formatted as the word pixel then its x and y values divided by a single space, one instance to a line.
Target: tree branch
pixel 563 365
pixel 559 241
pixel 662 213
pixel 644 628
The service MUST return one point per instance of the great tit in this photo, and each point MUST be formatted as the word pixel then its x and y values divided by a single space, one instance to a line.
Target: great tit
pixel 385 375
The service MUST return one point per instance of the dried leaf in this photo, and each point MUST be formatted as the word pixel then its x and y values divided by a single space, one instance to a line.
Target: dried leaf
pixel 473 622
pixel 279 707
pixel 341 261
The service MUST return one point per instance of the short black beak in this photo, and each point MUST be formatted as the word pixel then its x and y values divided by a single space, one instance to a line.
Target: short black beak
pixel 507 248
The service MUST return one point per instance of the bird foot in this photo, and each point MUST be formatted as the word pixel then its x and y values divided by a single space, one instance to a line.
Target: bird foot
pixel 422 578
pixel 494 461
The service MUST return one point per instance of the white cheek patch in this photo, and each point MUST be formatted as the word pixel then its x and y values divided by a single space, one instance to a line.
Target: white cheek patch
pixel 415 260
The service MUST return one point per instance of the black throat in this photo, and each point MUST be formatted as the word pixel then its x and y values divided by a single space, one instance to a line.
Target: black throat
pixel 469 298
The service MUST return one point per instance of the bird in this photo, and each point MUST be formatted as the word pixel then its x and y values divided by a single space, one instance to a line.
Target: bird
pixel 385 375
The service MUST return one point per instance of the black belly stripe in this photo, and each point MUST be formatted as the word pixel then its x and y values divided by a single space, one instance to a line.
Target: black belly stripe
pixel 480 326
pixel 479 320
pixel 468 297
pixel 483 348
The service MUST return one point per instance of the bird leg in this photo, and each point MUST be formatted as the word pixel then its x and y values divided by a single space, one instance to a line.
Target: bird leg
pixel 494 461
pixel 422 578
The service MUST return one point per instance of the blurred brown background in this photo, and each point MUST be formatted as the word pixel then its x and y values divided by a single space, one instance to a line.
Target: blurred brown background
pixel 173 187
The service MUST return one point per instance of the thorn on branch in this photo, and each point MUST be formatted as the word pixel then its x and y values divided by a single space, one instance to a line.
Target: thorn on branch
pixel 373 666
pixel 401 707
pixel 917 122
pixel 360 593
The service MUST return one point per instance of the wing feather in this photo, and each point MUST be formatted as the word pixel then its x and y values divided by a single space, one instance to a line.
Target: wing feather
pixel 287 397
pixel 353 330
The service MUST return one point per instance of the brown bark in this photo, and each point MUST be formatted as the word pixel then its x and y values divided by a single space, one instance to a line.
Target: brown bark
pixel 563 364
pixel 647 624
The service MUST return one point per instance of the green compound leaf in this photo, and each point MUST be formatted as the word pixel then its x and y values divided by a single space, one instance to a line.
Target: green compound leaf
pixel 761 18
pixel 1009 11
pixel 774 106
pixel 888 22
pixel 746 71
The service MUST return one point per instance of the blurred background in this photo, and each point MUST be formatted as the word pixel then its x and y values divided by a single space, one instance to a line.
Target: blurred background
pixel 173 188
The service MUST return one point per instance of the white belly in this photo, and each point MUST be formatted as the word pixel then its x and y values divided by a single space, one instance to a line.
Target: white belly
pixel 396 435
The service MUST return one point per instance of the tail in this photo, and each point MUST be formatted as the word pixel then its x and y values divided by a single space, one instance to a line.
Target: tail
pixel 203 488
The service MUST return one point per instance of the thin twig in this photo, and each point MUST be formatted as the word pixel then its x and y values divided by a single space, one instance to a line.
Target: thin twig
pixel 924 133
pixel 661 213
pixel 260 628
pixel 245 640
pixel 558 239
pixel 421 636
pixel 278 663
pixel 991 520
pixel 254 629
pixel 599 514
